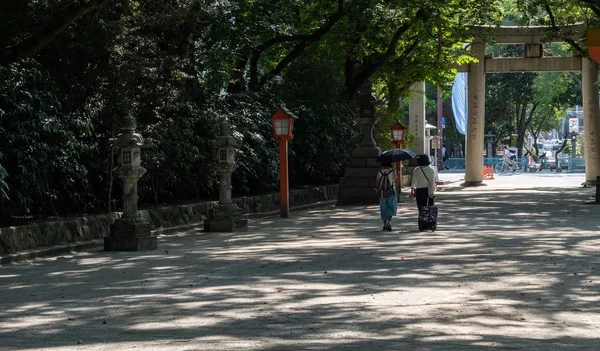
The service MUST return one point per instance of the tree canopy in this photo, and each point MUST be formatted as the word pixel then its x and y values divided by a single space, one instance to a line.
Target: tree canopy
pixel 72 69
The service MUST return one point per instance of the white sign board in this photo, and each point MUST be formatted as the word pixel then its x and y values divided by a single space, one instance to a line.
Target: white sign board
pixel 436 143
pixel 573 125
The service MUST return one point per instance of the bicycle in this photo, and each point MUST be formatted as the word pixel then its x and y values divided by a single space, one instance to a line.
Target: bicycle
pixel 504 166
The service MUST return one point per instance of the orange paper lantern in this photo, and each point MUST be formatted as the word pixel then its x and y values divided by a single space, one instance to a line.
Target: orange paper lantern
pixel 593 42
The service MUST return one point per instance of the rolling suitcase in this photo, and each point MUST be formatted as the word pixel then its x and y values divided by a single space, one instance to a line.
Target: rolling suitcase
pixel 428 218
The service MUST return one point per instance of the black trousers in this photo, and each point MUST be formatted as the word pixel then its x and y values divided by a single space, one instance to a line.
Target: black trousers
pixel 423 199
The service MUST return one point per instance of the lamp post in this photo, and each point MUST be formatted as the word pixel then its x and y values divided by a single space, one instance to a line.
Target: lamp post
pixel 398 138
pixel 428 129
pixel 283 126
pixel 489 138
pixel 436 144
pixel 398 134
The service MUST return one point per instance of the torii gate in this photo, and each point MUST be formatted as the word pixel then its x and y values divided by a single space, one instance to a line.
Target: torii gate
pixel 534 61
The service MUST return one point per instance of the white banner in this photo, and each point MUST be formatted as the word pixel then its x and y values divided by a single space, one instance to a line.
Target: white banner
pixel 459 102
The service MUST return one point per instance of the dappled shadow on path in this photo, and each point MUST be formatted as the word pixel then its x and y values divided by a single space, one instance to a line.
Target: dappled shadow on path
pixel 505 269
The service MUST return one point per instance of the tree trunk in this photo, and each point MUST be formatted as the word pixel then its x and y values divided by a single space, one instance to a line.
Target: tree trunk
pixel 111 177
pixel 372 63
pixel 34 43
pixel 237 81
pixel 302 42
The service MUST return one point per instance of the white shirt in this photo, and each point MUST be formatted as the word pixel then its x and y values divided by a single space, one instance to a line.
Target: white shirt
pixel 420 178
pixel 507 152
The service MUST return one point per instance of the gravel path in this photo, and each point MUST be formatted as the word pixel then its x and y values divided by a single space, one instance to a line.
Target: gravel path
pixel 514 266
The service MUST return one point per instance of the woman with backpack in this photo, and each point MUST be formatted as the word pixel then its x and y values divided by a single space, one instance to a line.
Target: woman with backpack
pixel 388 198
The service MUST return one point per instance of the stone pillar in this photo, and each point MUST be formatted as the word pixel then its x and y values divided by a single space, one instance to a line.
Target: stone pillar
pixel 416 119
pixel 591 124
pixel 226 216
pixel 358 184
pixel 131 232
pixel 476 117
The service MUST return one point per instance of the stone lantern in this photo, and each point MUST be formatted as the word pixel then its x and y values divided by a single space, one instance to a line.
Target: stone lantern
pixel 366 101
pixel 131 232
pixel 489 139
pixel 225 216
pixel 356 187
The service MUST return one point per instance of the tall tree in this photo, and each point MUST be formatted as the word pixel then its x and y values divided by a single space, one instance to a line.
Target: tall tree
pixel 63 15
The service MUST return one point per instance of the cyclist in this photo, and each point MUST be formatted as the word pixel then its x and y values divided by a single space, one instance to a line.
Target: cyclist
pixel 528 159
pixel 509 157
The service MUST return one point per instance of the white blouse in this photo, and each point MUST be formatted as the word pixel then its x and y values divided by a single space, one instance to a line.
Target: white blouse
pixel 420 181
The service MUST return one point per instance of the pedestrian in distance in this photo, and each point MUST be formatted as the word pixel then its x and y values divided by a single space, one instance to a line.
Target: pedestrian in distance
pixel 388 197
pixel 444 157
pixel 422 186
pixel 423 189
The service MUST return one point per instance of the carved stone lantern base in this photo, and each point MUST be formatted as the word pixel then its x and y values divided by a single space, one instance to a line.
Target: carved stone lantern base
pixel 128 234
pixel 226 218
pixel 357 187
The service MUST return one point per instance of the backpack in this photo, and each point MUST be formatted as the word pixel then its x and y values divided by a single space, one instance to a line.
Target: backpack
pixel 384 187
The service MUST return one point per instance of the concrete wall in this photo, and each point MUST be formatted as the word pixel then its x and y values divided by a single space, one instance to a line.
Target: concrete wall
pixel 78 229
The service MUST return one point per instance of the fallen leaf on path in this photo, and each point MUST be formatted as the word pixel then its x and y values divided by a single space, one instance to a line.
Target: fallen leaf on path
pixel 71 318
pixel 522 319
pixel 574 273
pixel 325 272
pixel 401 258
pixel 487 298
pixel 279 290
pixel 522 294
pixel 166 251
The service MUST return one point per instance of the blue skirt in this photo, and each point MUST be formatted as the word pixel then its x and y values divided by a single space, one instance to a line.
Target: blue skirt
pixel 388 206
